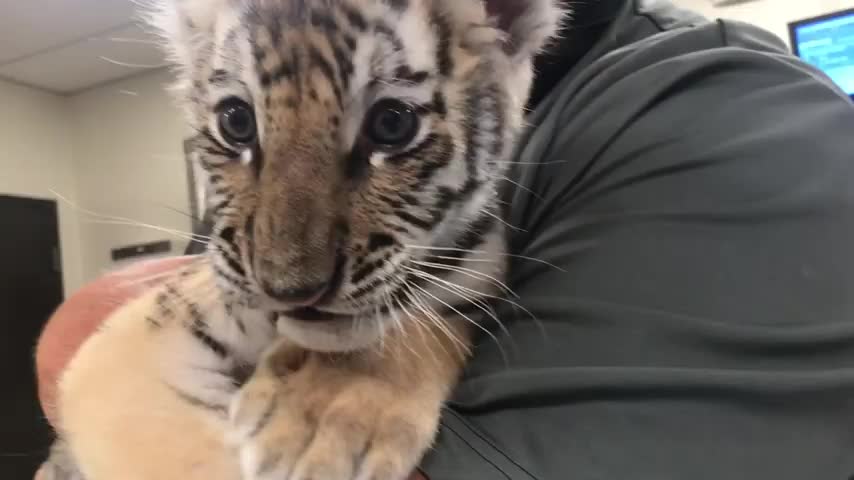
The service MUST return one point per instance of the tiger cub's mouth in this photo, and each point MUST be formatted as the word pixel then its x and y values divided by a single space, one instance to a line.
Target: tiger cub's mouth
pixel 313 314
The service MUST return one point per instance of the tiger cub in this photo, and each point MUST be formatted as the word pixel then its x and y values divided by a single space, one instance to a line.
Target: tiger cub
pixel 353 152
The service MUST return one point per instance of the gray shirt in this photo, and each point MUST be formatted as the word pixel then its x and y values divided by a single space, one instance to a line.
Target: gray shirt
pixel 694 185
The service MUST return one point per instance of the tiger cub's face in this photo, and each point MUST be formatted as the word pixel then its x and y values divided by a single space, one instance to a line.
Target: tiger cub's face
pixel 350 144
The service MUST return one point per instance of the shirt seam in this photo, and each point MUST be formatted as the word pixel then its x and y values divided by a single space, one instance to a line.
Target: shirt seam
pixel 475 450
pixel 723 31
pixel 492 445
pixel 648 16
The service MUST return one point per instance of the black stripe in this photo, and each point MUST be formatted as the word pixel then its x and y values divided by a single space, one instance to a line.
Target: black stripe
pixel 153 321
pixel 232 257
pixel 189 271
pixel 298 65
pixel 228 251
pixel 498 131
pixel 233 264
pixel 393 202
pixel 482 104
pixel 197 325
pixel 425 144
pixel 363 272
pixel 379 240
pixel 471 185
pixel 227 234
pixel 282 71
pixel 394 228
pixel 443 47
pixel 216 152
pixel 358 161
pixel 217 148
pixel 322 20
pixel 440 158
pixel 219 191
pixel 372 285
pixel 386 31
pixel 409 199
pixel 240 374
pixel 342 59
pixel 249 226
pixel 412 220
pixel 318 60
pixel 439 106
pixel 269 411
pixel 218 76
pixel 250 239
pixel 257 52
pixel 229 45
pixel 213 344
pixel 350 41
pixel 353 16
pixel 473 109
pixel 237 283
pixel 446 197
pixel 163 301
pixel 469 240
pixel 398 4
pixel 198 402
pixel 257 158
pixel 274 26
pixel 405 73
pixel 222 204
pixel 240 325
pixel 453 258
pixel 173 293
pixel 474 234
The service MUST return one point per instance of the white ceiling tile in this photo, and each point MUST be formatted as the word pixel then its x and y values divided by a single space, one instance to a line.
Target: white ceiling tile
pixel 33 26
pixel 87 63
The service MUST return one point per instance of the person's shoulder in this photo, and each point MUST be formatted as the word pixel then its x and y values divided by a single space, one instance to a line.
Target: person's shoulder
pixel 660 26
pixel 654 42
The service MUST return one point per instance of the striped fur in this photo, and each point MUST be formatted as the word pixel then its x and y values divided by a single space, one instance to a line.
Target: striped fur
pixel 312 69
pixel 411 235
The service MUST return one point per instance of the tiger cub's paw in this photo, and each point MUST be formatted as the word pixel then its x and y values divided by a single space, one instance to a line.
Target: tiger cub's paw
pixel 59 465
pixel 321 422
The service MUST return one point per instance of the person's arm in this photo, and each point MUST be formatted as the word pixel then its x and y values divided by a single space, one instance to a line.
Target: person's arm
pixel 697 193
pixel 81 315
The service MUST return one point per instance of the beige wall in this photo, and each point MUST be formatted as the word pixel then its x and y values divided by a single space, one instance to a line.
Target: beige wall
pixel 36 157
pixel 128 155
pixel 116 150
pixel 772 15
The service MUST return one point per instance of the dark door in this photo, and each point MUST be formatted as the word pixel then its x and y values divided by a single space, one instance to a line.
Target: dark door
pixel 30 290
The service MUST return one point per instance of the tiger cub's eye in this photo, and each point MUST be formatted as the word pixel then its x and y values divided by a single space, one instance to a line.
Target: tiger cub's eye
pixel 236 122
pixel 391 124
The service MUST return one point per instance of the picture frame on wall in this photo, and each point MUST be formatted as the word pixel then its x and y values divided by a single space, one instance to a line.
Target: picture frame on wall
pixel 196 186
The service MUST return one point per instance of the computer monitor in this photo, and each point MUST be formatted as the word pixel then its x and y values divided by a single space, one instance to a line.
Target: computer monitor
pixel 827 42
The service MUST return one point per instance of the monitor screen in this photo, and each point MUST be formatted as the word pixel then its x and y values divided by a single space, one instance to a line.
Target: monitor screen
pixel 828 43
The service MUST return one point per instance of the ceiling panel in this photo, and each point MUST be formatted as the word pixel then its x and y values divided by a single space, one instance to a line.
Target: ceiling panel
pixel 32 26
pixel 89 62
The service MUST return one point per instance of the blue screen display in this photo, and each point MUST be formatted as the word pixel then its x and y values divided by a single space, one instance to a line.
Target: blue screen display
pixel 829 45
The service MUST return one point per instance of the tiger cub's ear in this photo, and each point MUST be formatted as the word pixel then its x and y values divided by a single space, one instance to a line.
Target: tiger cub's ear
pixel 523 27
pixel 185 26
pixel 527 24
